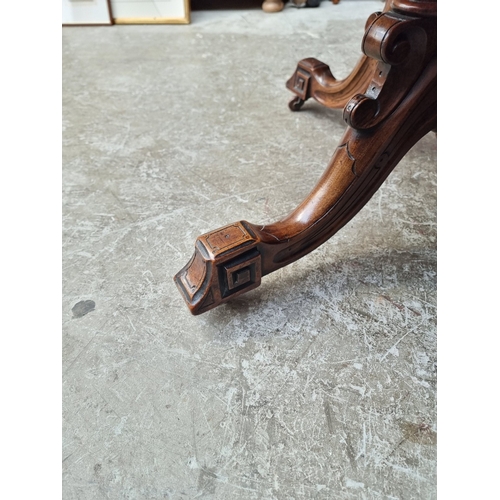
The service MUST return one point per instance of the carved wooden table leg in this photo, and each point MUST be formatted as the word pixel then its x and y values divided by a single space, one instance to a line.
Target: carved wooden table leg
pixel 396 110
pixel 313 78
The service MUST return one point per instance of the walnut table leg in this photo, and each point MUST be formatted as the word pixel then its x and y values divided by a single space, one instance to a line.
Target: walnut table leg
pixel 396 108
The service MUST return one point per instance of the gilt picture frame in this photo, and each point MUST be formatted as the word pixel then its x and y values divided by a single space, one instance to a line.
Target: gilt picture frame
pixel 151 11
pixel 86 13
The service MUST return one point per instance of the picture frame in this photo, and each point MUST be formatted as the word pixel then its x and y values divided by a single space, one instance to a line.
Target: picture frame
pixel 151 11
pixel 86 13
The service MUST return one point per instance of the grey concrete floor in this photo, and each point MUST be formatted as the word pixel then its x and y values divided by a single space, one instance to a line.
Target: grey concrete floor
pixel 321 383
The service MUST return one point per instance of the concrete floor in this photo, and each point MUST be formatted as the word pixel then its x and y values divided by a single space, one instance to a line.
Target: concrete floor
pixel 321 383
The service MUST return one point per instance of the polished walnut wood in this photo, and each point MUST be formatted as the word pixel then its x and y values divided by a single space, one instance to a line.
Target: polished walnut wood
pixel 389 112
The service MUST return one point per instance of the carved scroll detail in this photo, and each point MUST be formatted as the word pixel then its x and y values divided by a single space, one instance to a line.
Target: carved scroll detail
pixel 401 45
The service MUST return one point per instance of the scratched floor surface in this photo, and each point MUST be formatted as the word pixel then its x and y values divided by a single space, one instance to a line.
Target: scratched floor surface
pixel 319 384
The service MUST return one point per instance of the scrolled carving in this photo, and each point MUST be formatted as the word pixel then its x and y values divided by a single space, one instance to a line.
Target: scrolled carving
pixel 403 40
pixel 361 109
pixel 371 19
pixel 400 44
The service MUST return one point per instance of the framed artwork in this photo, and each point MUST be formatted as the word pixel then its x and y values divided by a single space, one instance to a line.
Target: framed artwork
pixel 86 12
pixel 151 11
